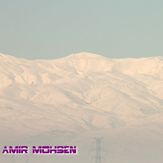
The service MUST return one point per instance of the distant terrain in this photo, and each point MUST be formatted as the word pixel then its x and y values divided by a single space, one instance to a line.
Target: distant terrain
pixel 83 96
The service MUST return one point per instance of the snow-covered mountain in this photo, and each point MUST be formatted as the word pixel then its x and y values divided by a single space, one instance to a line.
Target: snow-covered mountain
pixel 80 93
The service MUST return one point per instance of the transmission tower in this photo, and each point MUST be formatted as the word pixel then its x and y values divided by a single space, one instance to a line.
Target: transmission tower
pixel 98 150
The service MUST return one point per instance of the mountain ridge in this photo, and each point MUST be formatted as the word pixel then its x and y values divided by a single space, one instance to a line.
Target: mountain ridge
pixel 80 92
pixel 84 53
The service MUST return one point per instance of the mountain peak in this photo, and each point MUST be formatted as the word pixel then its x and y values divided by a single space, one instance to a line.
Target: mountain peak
pixel 86 55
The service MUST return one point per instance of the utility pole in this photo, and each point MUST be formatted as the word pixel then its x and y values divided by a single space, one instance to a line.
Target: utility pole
pixel 98 150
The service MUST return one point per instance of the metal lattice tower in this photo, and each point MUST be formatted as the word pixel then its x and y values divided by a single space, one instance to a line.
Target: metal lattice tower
pixel 98 150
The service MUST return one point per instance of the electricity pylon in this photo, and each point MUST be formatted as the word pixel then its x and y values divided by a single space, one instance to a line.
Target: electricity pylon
pixel 98 150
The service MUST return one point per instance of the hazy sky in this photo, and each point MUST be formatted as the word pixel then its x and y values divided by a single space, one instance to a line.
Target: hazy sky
pixel 55 28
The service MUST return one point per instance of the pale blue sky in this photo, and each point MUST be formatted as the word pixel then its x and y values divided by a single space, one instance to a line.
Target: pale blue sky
pixel 55 28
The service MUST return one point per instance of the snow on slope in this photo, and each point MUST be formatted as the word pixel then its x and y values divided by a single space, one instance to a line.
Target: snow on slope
pixel 79 92
pixel 74 99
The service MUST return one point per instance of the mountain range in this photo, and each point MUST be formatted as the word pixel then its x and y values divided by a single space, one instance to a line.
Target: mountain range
pixel 82 93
